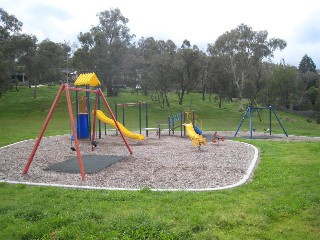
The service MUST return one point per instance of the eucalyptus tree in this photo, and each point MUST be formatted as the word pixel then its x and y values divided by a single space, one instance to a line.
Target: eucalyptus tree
pixel 83 59
pixel 205 74
pixel 162 73
pixel 220 82
pixel 256 89
pixel 284 85
pixel 23 45
pixel 46 63
pixel 147 49
pixel 10 27
pixel 156 74
pixel 133 65
pixel 245 50
pixel 49 60
pixel 105 45
pixel 187 66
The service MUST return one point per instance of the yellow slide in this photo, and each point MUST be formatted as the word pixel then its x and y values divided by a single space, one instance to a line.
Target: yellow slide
pixel 197 140
pixel 123 129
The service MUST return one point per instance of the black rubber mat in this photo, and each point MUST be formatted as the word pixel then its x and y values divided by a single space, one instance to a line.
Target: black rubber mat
pixel 91 163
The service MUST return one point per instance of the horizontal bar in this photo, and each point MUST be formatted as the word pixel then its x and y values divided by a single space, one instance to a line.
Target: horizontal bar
pixel 82 89
pixel 129 104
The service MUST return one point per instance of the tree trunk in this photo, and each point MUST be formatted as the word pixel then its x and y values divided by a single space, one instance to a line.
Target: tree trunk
pixel 204 92
pixel 167 100
pixel 181 95
pixel 220 102
pixel 35 91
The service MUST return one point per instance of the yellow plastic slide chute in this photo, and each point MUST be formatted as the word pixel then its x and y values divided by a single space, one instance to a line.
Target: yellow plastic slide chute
pixel 197 140
pixel 123 129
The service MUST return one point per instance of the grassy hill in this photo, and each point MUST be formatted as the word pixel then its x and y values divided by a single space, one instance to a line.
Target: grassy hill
pixel 281 202
pixel 22 115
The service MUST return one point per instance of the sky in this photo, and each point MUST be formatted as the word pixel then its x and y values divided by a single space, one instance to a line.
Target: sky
pixel 199 21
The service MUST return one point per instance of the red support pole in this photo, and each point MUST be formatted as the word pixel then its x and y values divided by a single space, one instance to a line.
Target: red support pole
pixel 44 127
pixel 74 131
pixel 114 119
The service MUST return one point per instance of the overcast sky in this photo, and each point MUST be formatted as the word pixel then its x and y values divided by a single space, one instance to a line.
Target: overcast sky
pixel 199 21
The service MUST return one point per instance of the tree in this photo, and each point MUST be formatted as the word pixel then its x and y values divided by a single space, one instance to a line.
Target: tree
pixel 245 50
pixel 284 85
pixel 306 65
pixel 106 44
pixel 187 66
pixel 312 95
pixel 221 82
pixel 133 65
pixel 9 27
pixel 147 49
pixel 205 74
pixel 23 43
pixel 158 72
pixel 163 73
pixel 308 77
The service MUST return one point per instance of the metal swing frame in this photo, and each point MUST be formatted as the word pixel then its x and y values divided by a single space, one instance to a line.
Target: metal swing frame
pixel 250 110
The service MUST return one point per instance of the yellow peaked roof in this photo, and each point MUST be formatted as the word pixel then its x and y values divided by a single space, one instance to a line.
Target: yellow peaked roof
pixel 90 79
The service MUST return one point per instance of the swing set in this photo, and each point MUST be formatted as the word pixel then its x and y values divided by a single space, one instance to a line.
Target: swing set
pixel 88 80
pixel 251 110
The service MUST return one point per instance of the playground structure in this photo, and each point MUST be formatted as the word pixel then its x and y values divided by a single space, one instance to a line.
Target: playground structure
pixel 193 131
pixel 81 129
pixel 102 117
pixel 140 107
pixel 197 139
pixel 252 109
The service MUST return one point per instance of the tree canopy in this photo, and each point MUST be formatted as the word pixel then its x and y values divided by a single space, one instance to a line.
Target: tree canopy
pixel 237 65
pixel 244 50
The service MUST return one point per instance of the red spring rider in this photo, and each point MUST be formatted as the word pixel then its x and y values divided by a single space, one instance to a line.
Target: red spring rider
pixel 217 138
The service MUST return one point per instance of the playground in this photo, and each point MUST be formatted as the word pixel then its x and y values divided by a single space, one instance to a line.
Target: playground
pixel 285 178
pixel 169 162
pixel 166 163
pixel 183 158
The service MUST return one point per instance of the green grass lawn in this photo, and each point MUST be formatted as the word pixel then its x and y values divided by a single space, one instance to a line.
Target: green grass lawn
pixel 281 202
pixel 22 116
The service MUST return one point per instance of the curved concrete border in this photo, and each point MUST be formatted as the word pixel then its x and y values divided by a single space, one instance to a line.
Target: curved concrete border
pixel 242 181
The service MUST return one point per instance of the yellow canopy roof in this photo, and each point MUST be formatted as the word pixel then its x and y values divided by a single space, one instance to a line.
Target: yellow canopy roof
pixel 90 79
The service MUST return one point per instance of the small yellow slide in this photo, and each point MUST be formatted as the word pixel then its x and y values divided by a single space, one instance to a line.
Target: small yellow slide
pixel 197 140
pixel 123 129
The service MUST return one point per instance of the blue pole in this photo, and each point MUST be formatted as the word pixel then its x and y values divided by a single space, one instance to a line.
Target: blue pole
pixel 146 118
pixel 274 112
pixel 192 117
pixel 172 119
pixel 184 120
pixel 99 122
pixel 243 118
pixel 123 115
pixel 116 110
pixel 140 116
pixel 181 123
pixel 89 111
pixel 250 122
pixel 270 120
